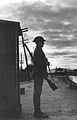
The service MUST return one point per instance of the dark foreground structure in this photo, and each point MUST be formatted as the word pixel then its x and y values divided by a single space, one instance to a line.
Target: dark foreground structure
pixel 9 66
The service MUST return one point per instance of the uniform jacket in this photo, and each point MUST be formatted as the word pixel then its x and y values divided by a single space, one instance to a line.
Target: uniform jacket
pixel 40 63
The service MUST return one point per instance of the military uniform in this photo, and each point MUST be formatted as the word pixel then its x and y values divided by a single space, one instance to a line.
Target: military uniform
pixel 40 72
pixel 40 61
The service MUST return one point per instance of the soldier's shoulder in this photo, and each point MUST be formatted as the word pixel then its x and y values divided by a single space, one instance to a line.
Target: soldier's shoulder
pixel 37 50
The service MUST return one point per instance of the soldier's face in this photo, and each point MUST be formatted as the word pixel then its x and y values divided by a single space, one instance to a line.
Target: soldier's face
pixel 41 44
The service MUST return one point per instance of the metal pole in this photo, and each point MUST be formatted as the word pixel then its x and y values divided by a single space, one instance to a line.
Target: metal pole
pixel 21 62
pixel 25 56
pixel 21 68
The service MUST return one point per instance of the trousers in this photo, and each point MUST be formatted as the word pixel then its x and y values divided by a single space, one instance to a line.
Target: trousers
pixel 38 83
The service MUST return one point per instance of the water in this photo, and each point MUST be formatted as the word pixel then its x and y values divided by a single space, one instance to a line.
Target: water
pixel 74 78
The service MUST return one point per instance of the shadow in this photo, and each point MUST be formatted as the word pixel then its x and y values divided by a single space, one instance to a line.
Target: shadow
pixel 10 114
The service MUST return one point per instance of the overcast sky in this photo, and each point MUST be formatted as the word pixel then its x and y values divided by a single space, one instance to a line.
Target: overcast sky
pixel 55 20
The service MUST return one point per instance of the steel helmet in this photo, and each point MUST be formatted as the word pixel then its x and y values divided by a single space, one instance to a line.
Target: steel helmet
pixel 39 39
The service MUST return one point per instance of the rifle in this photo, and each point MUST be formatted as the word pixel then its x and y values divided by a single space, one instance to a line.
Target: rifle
pixel 51 84
pixel 25 56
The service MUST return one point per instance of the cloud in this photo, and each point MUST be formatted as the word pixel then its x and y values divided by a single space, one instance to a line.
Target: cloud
pixel 41 18
pixel 61 3
pixel 56 20
pixel 40 12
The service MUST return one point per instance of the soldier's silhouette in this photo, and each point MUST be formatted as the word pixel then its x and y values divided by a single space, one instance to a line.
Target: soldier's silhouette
pixel 40 72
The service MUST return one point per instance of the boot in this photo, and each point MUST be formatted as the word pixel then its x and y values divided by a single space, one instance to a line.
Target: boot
pixel 40 115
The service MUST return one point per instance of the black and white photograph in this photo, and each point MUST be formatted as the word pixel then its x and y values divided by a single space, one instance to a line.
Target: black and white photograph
pixel 38 59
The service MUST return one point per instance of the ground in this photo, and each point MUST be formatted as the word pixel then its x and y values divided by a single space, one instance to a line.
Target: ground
pixel 60 104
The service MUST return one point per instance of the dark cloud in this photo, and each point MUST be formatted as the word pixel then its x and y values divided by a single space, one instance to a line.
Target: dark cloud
pixel 35 16
pixel 41 12
pixel 64 53
pixel 52 24
pixel 57 54
pixel 60 39
pixel 44 19
pixel 62 43
pixel 73 56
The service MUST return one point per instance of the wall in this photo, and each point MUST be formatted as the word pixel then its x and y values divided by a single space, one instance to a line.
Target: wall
pixel 9 89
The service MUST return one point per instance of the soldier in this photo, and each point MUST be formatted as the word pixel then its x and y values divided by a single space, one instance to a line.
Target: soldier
pixel 40 72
